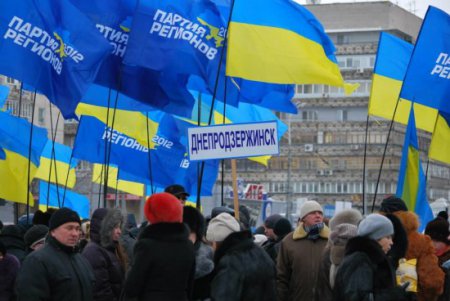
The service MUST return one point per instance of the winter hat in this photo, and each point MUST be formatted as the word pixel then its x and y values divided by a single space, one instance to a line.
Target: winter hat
pixel 375 226
pixel 195 220
pixel 443 214
pixel 342 233
pixel 163 208
pixel 259 239
pixel 35 234
pixel 438 230
pixel 176 190
pixel 282 227
pixel 222 209
pixel 3 249
pixel 393 204
pixel 221 226
pixel 96 223
pixel 308 207
pixel 272 220
pixel 62 216
pixel 347 216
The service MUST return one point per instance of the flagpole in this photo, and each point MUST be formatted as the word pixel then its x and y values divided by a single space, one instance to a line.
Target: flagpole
pixel 385 150
pixel 53 158
pixel 16 205
pixel 149 156
pixel 105 175
pixel 223 161
pixel 29 156
pixel 428 161
pixel 67 179
pixel 364 168
pixel 216 83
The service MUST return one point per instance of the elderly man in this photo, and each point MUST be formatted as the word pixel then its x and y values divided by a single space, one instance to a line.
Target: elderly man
pixel 300 255
pixel 57 271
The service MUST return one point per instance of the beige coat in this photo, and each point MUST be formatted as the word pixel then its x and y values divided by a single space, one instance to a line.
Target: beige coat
pixel 298 265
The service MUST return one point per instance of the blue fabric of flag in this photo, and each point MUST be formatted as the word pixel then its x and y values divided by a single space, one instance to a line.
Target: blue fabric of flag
pixel 162 90
pixel 427 80
pixel 4 92
pixel 62 153
pixel 51 46
pixel 54 196
pixel 15 137
pixel 185 36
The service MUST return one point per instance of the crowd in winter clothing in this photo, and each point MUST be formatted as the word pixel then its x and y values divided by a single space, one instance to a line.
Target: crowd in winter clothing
pixel 178 254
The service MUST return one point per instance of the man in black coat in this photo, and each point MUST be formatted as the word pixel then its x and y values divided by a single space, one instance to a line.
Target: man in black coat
pixel 57 271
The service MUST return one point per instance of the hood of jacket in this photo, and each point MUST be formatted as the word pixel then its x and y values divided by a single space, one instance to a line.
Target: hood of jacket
pixel 103 223
pixel 409 220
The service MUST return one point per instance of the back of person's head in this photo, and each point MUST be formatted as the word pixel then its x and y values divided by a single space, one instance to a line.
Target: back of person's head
pixel 443 214
pixel 375 226
pixel 221 226
pixel 35 235
pixel 221 209
pixel 393 204
pixel 282 227
pixel 13 231
pixel 3 249
pixel 347 216
pixel 96 223
pixel 163 208
pixel 195 221
pixel 438 230
pixel 272 220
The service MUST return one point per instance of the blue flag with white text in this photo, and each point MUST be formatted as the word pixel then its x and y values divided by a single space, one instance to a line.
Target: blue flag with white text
pixel 427 80
pixel 165 91
pixel 50 45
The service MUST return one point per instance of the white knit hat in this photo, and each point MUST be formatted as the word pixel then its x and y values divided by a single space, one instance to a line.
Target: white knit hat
pixel 221 226
pixel 308 207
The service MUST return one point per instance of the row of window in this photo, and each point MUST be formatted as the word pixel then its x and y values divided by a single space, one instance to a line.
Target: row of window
pixel 332 188
pixel 304 91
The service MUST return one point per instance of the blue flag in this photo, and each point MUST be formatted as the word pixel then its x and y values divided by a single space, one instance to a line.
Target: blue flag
pixel 54 196
pixel 50 45
pixel 185 36
pixel 4 92
pixel 165 91
pixel 427 80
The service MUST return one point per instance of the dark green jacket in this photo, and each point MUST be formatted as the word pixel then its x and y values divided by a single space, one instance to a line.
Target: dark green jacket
pixel 55 272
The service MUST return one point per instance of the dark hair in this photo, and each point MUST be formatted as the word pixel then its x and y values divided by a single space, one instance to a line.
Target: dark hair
pixel 2 248
pixel 443 214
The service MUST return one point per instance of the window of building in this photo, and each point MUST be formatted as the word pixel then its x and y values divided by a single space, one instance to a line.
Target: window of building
pixel 41 112
pixel 342 115
pixel 10 80
pixel 309 115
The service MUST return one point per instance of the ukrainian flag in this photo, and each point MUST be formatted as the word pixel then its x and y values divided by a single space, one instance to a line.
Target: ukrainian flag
pixel 52 196
pixel 98 176
pixel 440 142
pixel 57 165
pixel 280 41
pixel 390 68
pixel 411 186
pixel 15 155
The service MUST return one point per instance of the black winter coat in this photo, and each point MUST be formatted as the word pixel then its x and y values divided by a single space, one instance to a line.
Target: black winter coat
pixel 366 274
pixel 243 271
pixel 55 273
pixel 163 264
pixel 101 254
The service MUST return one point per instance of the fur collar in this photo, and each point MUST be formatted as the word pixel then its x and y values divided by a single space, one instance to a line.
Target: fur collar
pixel 366 245
pixel 166 232
pixel 409 220
pixel 234 242
pixel 300 233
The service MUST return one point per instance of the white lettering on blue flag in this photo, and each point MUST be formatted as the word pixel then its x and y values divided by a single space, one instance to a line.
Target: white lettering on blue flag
pixel 51 48
pixel 173 26
pixel 117 38
pixel 442 67
pixel 233 141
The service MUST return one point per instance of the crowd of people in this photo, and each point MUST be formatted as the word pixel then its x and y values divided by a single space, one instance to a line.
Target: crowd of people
pixel 178 254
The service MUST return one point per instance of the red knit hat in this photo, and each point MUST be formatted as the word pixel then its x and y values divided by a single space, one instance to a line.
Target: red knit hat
pixel 163 208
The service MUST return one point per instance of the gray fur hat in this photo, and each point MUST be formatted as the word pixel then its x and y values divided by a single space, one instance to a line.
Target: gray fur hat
pixel 375 226
pixel 221 226
pixel 347 216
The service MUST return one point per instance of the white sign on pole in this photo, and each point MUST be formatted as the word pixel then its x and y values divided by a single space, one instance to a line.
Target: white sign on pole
pixel 233 141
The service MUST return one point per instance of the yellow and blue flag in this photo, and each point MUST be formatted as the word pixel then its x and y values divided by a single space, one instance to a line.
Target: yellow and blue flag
pixel 51 195
pixel 15 156
pixel 51 46
pixel 390 68
pixel 281 42
pixel 440 142
pixel 131 187
pixel 427 80
pixel 57 165
pixel 411 186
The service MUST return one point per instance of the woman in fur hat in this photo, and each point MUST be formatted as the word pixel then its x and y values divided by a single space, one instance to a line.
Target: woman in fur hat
pixel 366 273
pixel 105 254
pixel 164 260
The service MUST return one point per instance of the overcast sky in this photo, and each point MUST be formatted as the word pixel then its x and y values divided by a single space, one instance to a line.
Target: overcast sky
pixel 420 5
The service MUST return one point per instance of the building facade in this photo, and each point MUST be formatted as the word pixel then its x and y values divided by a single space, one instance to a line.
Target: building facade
pixel 322 155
